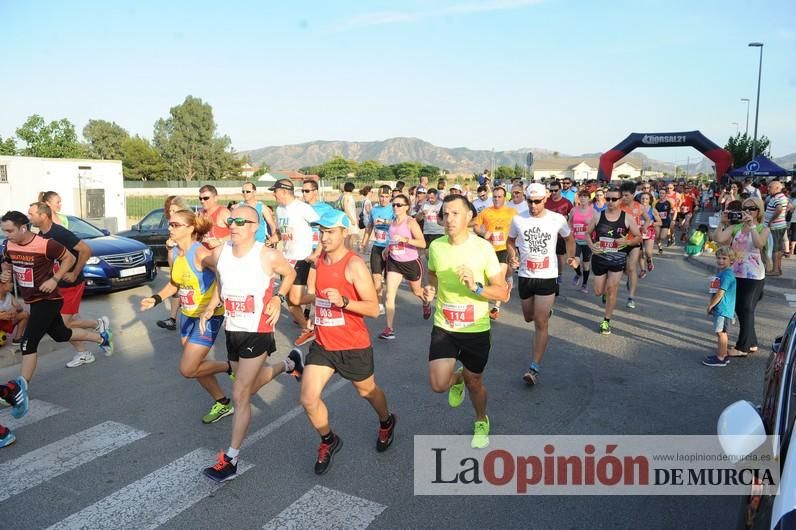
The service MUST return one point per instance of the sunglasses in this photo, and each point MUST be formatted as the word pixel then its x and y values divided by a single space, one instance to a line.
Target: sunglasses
pixel 203 199
pixel 749 208
pixel 398 205
pixel 306 191
pixel 176 225
pixel 536 201
pixel 612 199
pixel 246 191
pixel 238 221
pixel 553 190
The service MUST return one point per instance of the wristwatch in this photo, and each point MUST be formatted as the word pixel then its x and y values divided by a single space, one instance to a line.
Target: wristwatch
pixel 282 297
pixel 479 288
pixel 346 301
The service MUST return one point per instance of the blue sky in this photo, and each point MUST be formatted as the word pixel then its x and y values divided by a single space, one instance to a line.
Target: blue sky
pixel 573 76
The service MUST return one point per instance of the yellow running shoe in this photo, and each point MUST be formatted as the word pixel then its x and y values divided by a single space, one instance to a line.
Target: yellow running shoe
pixel 481 434
pixel 456 392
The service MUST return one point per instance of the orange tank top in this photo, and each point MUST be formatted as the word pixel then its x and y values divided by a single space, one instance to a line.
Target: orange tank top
pixel 337 328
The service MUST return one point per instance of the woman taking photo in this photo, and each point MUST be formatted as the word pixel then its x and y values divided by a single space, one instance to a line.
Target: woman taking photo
pixel 742 228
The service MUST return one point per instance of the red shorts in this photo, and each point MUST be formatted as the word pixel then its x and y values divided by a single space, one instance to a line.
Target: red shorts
pixel 72 297
pixel 7 325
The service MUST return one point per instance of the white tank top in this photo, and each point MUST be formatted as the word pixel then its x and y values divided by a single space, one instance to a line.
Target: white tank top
pixel 245 290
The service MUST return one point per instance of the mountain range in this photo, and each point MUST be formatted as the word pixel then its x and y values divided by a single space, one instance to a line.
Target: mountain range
pixel 456 159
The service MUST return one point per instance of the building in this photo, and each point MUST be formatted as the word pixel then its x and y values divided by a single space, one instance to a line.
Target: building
pixel 91 189
pixel 580 169
pixel 248 170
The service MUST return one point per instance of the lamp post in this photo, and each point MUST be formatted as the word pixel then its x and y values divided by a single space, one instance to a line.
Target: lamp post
pixel 757 104
pixel 737 131
pixel 747 115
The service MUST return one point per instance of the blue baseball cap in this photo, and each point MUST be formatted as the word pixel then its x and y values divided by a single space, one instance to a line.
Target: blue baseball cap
pixel 333 219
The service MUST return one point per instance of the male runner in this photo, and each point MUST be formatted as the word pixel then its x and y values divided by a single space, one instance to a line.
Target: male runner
pixel 675 199
pixel 343 293
pixel 642 220
pixel 666 213
pixel 31 258
pixel 465 272
pixel 518 200
pixel 379 228
pixel 536 238
pixel 73 283
pixel 216 214
pixel 266 231
pixel 483 201
pixel 558 204
pixel 615 231
pixel 246 270
pixel 568 192
pixel 493 224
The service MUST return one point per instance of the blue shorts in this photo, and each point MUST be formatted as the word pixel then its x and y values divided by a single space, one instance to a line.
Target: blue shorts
pixel 721 324
pixel 189 328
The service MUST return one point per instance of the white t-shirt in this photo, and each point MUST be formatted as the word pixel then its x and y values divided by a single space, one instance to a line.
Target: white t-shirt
pixel 522 208
pixel 481 205
pixel 294 224
pixel 432 213
pixel 536 242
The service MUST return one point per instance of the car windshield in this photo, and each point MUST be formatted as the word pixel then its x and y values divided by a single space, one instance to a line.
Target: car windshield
pixel 82 229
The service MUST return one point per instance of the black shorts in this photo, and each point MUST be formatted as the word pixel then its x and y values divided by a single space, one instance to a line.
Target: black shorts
pixel 529 287
pixel 302 268
pixel 561 246
pixel 610 262
pixel 666 223
pixel 431 237
pixel 410 270
pixel 353 365
pixel 502 256
pixel 45 318
pixel 792 233
pixel 583 252
pixel 472 349
pixel 378 265
pixel 246 345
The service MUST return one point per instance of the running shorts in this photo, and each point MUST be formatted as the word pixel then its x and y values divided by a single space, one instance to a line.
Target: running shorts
pixel 247 345
pixel 410 270
pixel 378 265
pixel 472 349
pixel 353 365
pixel 528 287
pixel 189 329
pixel 45 318
pixel 608 262
pixel 72 297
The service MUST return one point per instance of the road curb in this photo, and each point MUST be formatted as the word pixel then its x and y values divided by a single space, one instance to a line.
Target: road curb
pixel 779 283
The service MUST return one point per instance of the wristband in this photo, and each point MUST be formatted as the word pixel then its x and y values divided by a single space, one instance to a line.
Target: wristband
pixel 346 301
pixel 479 288
pixel 282 298
pixel 157 299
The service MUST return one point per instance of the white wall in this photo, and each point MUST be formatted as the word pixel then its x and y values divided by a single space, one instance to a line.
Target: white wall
pixel 27 176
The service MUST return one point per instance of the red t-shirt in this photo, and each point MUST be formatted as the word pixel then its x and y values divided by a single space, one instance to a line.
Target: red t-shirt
pixel 563 206
pixel 337 328
pixel 32 264
pixel 687 204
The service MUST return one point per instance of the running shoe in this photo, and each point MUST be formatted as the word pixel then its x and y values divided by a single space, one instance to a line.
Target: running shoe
pixel 167 323
pixel 326 454
pixel 631 304
pixel 481 434
pixel 384 440
pixel 296 357
pixel 107 342
pixel 604 299
pixel 713 361
pixel 218 411
pixel 387 334
pixel 660 251
pixel 223 469
pixel 382 311
pixel 307 313
pixel 558 280
pixel 103 324
pixel 81 358
pixel 642 273
pixel 494 313
pixel 605 327
pixel 584 289
pixel 307 336
pixel 21 401
pixel 576 280
pixel 426 311
pixel 531 377
pixel 650 265
pixel 7 439
pixel 456 392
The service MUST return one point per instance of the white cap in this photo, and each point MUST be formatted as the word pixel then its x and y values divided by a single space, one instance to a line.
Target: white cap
pixel 456 187
pixel 535 190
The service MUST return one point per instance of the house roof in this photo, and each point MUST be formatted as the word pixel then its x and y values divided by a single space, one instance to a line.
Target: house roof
pixel 292 175
pixel 563 164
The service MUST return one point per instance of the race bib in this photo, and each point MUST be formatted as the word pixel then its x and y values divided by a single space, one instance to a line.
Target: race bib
pixel 24 276
pixel 316 237
pixel 187 298
pixel 458 315
pixel 431 216
pixel 538 264
pixel 380 235
pixel 684 209
pixel 327 315
pixel 715 285
pixel 608 244
pixel 56 266
pixel 579 228
pixel 498 239
pixel 397 249
pixel 238 306
pixel 663 215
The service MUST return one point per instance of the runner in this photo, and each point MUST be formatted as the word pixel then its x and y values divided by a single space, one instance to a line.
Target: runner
pixel 483 201
pixel 538 271
pixel 246 270
pixel 53 200
pixel 649 234
pixel 405 238
pixel 642 221
pixel 568 192
pixel 465 272
pixel 343 294
pixel 216 214
pixel 518 200
pixel 558 204
pixel 615 231
pixel 348 204
pixel 195 282
pixel 599 200
pixel 32 259
pixel 294 219
pixel 172 204
pixel 73 283
pixel 663 208
pixel 381 217
pixel 309 192
pixel 674 200
pixel 266 230
pixel 429 217
pixel 687 209
pixel 579 219
pixel 493 224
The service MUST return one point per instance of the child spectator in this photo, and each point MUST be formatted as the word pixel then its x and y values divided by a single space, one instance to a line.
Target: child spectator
pixel 11 314
pixel 722 305
pixel 697 241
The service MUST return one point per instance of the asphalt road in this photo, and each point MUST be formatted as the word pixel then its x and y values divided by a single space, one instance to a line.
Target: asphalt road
pixel 122 444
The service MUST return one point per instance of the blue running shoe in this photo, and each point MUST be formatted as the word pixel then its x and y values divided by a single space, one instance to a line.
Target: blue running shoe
pixel 107 342
pixel 8 439
pixel 20 398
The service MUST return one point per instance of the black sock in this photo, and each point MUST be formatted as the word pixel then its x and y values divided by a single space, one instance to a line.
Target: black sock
pixel 327 438
pixel 224 400
pixel 607 319
pixel 578 271
pixel 7 392
pixel 229 368
pixel 585 277
pixel 385 424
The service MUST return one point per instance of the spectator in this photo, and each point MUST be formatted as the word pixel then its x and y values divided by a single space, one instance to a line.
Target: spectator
pixel 792 234
pixel 722 305
pixel 13 318
pixel 776 210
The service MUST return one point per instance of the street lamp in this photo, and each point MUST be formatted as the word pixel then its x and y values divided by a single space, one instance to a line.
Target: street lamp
pixel 737 131
pixel 757 104
pixel 747 115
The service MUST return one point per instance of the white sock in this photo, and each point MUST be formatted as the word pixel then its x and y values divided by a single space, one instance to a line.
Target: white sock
pixel 289 365
pixel 233 454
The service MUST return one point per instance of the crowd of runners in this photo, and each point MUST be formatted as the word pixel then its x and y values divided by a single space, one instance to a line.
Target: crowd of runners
pixel 234 268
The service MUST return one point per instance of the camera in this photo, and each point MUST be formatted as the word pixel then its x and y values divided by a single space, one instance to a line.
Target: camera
pixel 734 217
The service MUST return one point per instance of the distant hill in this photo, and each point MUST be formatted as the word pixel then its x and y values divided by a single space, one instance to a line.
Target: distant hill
pixel 786 161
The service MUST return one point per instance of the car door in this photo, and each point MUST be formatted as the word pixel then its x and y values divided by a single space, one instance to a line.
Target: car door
pixel 153 231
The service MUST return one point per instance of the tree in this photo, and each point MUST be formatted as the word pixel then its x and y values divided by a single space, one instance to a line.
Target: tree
pixel 105 139
pixel 56 139
pixel 188 143
pixel 369 169
pixel 337 167
pixel 407 170
pixel 740 146
pixel 141 161
pixel 504 173
pixel 429 171
pixel 386 173
pixel 262 171
pixel 8 146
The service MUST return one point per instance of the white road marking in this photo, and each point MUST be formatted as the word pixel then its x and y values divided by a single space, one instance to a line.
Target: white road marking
pixel 326 508
pixel 38 411
pixel 154 499
pixel 57 458
pixel 790 297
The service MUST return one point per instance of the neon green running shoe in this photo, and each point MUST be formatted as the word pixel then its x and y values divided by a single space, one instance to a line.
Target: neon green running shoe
pixel 605 327
pixel 481 434
pixel 218 411
pixel 456 392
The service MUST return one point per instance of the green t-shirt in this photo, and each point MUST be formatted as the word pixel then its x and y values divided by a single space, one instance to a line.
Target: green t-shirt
pixel 458 308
